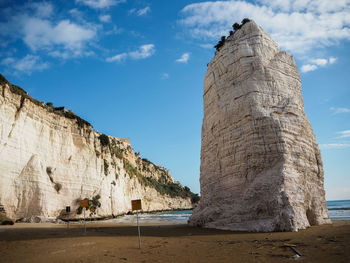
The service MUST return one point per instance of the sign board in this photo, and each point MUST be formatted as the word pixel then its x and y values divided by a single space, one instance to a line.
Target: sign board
pixel 136 204
pixel 84 203
pixel 67 209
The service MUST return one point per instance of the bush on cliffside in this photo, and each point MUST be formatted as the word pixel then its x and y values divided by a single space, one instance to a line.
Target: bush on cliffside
pixel 130 169
pixel 237 26
pixel 119 153
pixel 161 186
pixel 220 43
pixel 104 139
pixel 70 115
pixel 195 198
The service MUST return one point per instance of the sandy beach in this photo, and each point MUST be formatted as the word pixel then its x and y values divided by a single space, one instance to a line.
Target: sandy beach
pixel 162 242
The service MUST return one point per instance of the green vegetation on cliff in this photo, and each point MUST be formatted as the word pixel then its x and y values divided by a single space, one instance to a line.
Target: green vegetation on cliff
pixel 162 186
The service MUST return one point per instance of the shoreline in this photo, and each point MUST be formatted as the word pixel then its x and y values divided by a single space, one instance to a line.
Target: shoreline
pixel 108 223
pixel 55 220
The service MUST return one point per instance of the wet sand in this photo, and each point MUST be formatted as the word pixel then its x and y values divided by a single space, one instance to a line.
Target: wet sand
pixel 46 242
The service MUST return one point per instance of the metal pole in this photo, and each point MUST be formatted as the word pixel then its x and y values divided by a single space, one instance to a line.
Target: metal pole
pixel 84 222
pixel 138 228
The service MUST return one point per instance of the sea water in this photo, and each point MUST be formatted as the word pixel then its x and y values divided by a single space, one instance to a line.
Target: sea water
pixel 338 210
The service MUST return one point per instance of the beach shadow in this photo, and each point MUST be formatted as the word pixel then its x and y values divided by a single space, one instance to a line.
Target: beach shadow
pixel 35 233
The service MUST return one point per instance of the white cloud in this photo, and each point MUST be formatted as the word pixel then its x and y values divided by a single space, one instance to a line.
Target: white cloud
pixel 36 26
pixel 344 134
pixel 27 64
pixel 165 76
pixel 69 54
pixel 114 31
pixel 100 4
pixel 334 146
pixel 320 61
pixel 332 60
pixel 319 6
pixel 140 12
pixel 143 52
pixel 42 9
pixel 184 58
pixel 297 26
pixel 308 67
pixel 339 110
pixel 41 34
pixel 78 15
pixel 7 61
pixel 117 58
pixel 316 63
pixel 105 18
pixel 206 46
pixel 143 11
pixel 39 26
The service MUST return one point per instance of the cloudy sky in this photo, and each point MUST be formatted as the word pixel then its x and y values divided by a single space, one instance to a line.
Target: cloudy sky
pixel 135 68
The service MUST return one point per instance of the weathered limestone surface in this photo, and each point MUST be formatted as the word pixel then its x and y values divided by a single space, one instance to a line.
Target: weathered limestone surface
pixel 41 149
pixel 261 168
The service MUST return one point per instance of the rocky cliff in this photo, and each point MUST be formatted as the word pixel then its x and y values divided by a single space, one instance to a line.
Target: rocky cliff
pixel 51 158
pixel 261 168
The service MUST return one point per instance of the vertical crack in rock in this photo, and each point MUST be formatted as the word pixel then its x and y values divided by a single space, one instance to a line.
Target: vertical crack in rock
pixel 261 168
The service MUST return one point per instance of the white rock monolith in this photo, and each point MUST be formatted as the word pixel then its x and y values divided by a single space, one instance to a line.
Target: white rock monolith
pixel 261 168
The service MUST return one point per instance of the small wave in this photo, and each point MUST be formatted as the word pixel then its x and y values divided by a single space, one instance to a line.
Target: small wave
pixel 340 208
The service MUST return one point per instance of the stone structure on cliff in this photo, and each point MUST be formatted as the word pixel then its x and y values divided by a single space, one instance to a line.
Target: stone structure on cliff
pixel 51 158
pixel 261 168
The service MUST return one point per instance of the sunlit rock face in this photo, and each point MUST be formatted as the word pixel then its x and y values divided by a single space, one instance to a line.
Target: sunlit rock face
pixel 261 168
pixel 49 161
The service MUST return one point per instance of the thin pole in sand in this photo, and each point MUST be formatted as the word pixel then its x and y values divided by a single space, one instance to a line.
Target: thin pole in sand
pixel 136 206
pixel 68 212
pixel 138 228
pixel 84 222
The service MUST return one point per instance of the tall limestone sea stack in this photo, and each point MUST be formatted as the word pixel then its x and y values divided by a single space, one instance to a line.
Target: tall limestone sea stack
pixel 261 168
pixel 50 158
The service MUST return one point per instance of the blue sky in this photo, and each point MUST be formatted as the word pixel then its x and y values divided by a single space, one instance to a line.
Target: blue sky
pixel 135 68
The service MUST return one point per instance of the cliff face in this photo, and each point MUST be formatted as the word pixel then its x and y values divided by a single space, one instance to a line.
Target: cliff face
pixel 51 158
pixel 261 168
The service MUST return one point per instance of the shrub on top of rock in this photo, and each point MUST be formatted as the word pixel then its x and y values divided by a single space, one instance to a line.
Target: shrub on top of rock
pixel 236 26
pixel 245 20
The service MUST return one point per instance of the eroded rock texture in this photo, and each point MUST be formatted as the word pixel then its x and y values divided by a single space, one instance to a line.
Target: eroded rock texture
pixel 261 168
pixel 49 161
